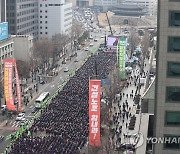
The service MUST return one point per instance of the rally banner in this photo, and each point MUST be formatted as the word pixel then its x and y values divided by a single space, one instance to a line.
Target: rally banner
pixel 94 113
pixel 18 86
pixel 8 93
pixel 122 53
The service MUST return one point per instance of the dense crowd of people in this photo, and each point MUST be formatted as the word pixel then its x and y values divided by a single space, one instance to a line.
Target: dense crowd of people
pixel 62 127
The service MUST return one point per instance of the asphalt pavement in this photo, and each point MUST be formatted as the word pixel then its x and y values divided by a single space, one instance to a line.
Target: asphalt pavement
pixel 51 87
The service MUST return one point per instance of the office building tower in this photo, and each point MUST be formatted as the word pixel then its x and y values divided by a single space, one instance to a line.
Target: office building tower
pixel 22 16
pixel 2 10
pixel 167 94
pixel 55 17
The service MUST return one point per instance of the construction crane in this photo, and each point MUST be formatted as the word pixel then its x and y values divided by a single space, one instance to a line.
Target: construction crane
pixel 109 24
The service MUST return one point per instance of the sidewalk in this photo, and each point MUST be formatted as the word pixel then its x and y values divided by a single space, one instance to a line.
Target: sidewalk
pixel 124 109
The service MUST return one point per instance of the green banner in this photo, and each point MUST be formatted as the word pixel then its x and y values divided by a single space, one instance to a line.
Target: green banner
pixel 122 54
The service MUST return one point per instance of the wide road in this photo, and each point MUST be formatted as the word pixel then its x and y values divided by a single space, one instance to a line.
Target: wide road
pixel 50 87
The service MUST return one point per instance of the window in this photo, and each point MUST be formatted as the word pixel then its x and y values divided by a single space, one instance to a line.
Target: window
pixel 46 33
pixel 45 16
pixel 172 118
pixel 171 143
pixel 40 32
pixel 40 5
pixel 173 69
pixel 46 27
pixel 172 94
pixel 174 44
pixel 46 22
pixel 174 18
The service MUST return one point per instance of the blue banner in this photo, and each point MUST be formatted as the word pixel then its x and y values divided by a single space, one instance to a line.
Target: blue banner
pixel 3 30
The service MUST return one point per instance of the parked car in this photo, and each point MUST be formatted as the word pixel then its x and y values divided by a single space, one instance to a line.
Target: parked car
pixel 91 44
pixel 66 69
pixel 3 107
pixel 42 82
pixel 20 117
pixel 75 60
pixel 86 49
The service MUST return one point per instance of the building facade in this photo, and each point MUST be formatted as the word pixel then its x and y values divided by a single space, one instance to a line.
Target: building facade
pixel 2 10
pixel 167 93
pixel 23 47
pixel 55 17
pixel 6 51
pixel 22 16
pixel 151 5
pixel 85 3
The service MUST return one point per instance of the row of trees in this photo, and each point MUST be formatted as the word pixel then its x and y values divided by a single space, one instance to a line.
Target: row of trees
pixel 45 49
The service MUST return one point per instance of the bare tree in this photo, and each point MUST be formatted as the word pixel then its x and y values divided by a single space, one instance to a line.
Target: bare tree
pixel 43 50
pixel 76 32
pixel 60 42
pixel 134 40
pixel 145 44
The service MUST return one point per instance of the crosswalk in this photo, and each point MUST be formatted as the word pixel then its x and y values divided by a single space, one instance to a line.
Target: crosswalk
pixel 15 123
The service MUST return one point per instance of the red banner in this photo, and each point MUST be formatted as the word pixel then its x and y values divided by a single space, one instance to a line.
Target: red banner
pixel 94 112
pixel 8 69
pixel 18 87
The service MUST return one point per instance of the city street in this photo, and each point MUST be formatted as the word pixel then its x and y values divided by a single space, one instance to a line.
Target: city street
pixel 50 87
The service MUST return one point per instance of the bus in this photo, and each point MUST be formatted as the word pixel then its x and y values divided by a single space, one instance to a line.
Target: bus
pixel 40 100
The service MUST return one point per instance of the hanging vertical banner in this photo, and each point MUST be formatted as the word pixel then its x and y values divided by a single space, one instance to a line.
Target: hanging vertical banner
pixel 8 93
pixel 18 86
pixel 94 112
pixel 122 53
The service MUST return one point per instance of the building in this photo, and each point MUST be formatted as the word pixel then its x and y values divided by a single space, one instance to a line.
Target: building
pixel 22 16
pixel 6 51
pixel 84 3
pixel 151 5
pixel 105 4
pixel 2 10
pixel 55 17
pixel 129 10
pixel 167 93
pixel 23 47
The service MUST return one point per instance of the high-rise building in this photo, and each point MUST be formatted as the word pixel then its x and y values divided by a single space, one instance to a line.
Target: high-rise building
pixel 167 93
pixel 2 10
pixel 22 16
pixel 55 17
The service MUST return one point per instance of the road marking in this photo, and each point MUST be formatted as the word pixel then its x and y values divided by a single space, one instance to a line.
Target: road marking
pixel 29 116
pixel 10 122
pixel 13 125
pixel 31 106
pixel 14 122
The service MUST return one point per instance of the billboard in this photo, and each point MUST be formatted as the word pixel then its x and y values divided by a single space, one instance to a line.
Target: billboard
pixel 8 92
pixel 112 43
pixel 94 112
pixel 3 30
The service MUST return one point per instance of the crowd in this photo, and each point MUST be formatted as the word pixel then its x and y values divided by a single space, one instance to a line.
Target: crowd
pixel 62 127
pixel 125 108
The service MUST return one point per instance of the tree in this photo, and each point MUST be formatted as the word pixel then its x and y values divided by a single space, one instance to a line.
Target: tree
pixel 145 44
pixel 43 50
pixel 60 42
pixel 134 40
pixel 23 69
pixel 76 32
